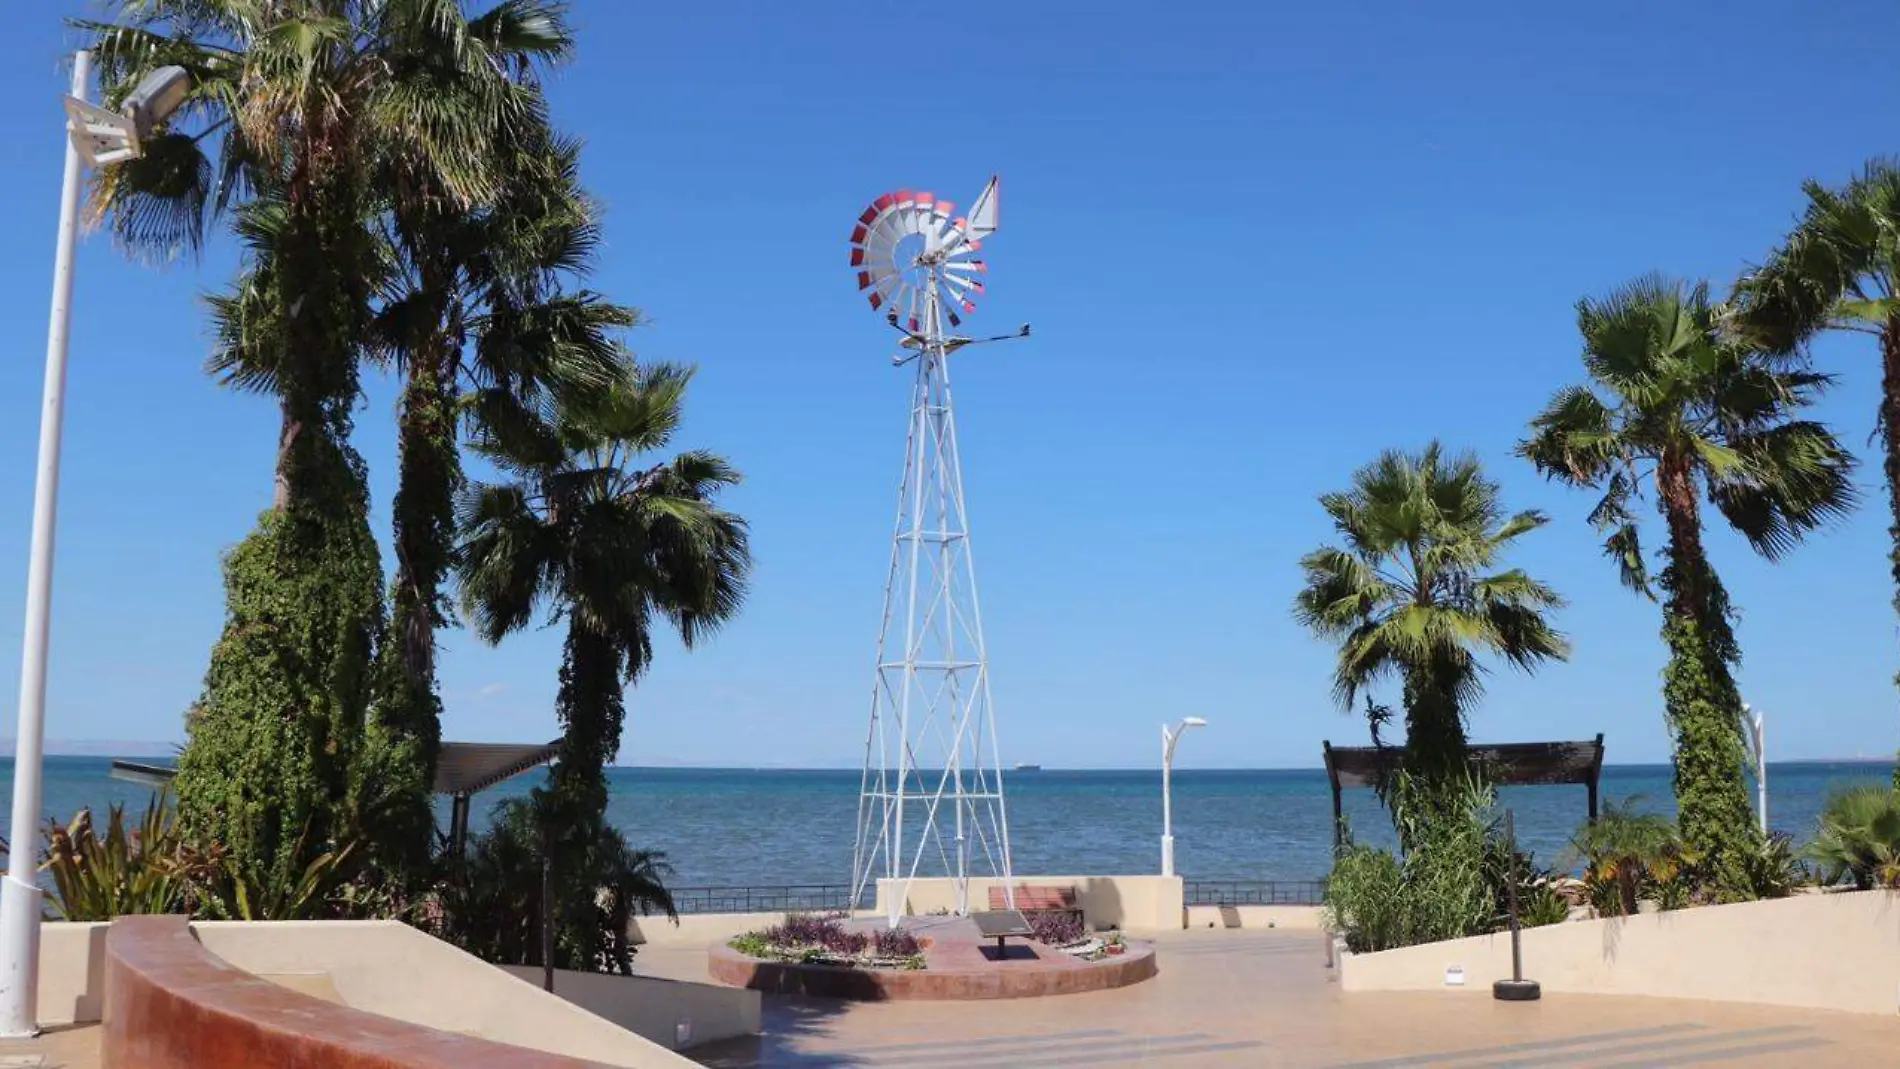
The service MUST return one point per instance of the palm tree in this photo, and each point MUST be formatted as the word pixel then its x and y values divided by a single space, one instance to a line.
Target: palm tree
pixel 1839 269
pixel 487 327
pixel 612 550
pixel 296 111
pixel 494 909
pixel 1859 838
pixel 1411 594
pixel 1624 852
pixel 1671 405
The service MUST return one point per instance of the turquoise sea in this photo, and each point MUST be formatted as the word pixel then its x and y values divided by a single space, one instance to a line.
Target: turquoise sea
pixel 761 827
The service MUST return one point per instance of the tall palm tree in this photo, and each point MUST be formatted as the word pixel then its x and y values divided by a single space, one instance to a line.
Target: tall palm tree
pixel 1411 593
pixel 1673 406
pixel 488 326
pixel 613 550
pixel 1839 269
pixel 297 108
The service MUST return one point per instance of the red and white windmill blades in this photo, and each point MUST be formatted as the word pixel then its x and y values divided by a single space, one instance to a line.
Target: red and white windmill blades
pixel 909 248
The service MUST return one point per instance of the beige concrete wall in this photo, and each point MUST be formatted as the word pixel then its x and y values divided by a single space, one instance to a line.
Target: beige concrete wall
pixel 1297 917
pixel 390 968
pixel 697 929
pixel 72 972
pixel 1836 951
pixel 676 1014
pixel 1135 903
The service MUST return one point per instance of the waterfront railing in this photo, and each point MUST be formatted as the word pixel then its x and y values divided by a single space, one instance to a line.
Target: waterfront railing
pixel 1253 892
pixel 825 897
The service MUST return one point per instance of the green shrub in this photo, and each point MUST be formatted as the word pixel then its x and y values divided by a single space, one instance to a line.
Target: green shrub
pixel 1773 870
pixel 492 907
pixel 1540 904
pixel 1365 900
pixel 1438 890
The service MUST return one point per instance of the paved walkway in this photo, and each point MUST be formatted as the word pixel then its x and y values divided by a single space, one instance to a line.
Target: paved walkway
pixel 67 1047
pixel 1263 1000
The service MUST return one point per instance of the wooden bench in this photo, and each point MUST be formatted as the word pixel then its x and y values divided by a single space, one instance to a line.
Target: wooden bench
pixel 1033 901
pixel 1036 899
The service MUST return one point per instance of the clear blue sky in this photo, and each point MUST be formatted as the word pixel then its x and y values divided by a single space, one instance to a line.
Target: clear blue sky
pixel 1258 242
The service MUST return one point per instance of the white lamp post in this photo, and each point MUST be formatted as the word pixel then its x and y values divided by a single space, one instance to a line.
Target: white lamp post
pixel 95 137
pixel 1752 730
pixel 1168 738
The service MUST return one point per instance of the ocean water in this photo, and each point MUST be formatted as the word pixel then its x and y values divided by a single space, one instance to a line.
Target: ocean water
pixel 757 827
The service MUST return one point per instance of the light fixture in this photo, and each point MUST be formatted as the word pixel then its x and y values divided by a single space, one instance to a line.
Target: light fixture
pixel 103 138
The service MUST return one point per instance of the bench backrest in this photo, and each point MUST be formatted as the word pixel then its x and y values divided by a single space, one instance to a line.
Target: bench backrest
pixel 1032 899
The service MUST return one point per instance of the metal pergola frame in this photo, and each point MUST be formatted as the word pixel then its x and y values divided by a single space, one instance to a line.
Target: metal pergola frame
pixel 1506 764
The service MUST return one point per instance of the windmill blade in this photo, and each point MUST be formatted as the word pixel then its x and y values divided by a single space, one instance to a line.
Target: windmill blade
pixel 983 214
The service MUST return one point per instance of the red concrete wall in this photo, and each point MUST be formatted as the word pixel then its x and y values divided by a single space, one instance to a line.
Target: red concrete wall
pixel 171 1004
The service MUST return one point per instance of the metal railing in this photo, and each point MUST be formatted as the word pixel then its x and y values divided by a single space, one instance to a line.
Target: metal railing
pixel 1253 892
pixel 824 897
pixel 783 898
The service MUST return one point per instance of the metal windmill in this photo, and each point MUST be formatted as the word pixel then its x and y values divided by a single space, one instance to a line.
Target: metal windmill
pixel 931 799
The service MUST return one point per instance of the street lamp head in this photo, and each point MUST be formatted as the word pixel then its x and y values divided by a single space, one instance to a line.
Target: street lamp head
pixel 1193 722
pixel 156 98
pixel 103 138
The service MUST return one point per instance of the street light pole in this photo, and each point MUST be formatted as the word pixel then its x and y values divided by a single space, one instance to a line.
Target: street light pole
pixel 1751 718
pixel 20 892
pixel 1168 740
pixel 97 137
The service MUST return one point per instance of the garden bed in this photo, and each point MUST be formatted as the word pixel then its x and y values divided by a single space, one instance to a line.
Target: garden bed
pixel 823 939
pixel 838 957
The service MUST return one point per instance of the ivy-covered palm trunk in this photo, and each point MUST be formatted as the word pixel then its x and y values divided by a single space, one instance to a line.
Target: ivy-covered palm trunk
pixel 407 719
pixel 1435 743
pixel 272 740
pixel 591 703
pixel 1700 698
pixel 1890 441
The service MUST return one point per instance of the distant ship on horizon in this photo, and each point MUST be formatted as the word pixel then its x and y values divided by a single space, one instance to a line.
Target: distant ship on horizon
pixel 1029 768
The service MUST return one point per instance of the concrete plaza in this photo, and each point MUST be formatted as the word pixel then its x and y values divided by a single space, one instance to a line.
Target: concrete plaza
pixel 1261 999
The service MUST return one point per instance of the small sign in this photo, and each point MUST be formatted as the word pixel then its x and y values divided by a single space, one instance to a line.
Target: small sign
pixel 683 1032
pixel 1455 976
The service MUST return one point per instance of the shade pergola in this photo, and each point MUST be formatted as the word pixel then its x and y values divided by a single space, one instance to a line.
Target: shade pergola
pixel 461 770
pixel 1507 764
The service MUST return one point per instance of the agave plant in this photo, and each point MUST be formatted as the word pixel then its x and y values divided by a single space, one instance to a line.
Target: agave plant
pixel 152 869
pixel 1859 838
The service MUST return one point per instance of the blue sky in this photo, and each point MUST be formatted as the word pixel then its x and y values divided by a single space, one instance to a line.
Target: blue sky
pixel 1259 243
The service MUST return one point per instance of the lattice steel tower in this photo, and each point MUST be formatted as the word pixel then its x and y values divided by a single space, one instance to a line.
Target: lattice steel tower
pixel 932 789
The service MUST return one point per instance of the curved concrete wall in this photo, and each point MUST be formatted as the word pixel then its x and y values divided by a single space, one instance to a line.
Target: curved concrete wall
pixel 173 1005
pixel 390 968
pixel 1832 951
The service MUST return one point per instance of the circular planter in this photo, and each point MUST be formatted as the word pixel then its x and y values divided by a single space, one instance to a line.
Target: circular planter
pixel 959 964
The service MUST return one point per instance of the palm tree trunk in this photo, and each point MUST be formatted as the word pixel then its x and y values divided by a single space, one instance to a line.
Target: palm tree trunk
pixel 1435 743
pixel 1699 694
pixel 407 726
pixel 1890 439
pixel 274 737
pixel 591 704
